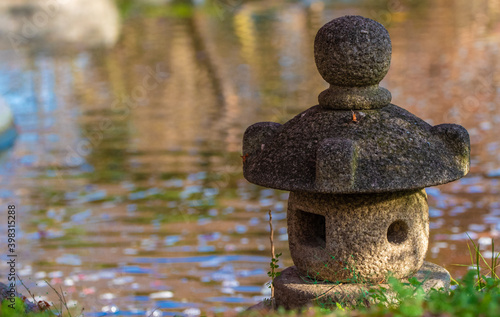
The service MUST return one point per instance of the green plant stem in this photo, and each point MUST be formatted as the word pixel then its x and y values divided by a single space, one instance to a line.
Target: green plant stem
pixel 271 238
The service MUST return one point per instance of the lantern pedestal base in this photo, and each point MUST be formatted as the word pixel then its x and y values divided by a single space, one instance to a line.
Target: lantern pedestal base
pixel 294 291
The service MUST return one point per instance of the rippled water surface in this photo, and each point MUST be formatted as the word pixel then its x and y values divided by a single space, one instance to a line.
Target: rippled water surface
pixel 127 169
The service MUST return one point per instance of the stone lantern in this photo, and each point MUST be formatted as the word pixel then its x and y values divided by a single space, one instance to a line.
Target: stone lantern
pixel 356 167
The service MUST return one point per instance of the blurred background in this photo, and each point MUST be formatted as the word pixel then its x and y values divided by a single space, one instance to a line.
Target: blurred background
pixel 126 170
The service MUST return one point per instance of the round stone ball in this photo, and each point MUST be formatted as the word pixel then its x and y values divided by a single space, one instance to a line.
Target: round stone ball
pixel 352 51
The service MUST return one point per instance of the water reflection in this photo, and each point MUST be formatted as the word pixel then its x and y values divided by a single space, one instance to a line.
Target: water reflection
pixel 56 25
pixel 8 131
pixel 127 171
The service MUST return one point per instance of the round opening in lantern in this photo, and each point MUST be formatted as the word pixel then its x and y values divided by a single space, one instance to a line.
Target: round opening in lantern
pixel 397 232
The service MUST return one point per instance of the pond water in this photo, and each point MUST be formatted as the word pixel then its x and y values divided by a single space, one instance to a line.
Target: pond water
pixel 127 173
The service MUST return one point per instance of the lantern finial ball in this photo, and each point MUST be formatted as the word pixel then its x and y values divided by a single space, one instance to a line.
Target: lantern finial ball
pixel 353 51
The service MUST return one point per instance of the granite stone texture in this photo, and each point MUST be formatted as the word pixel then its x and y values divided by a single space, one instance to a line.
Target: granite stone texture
pixel 326 151
pixel 358 238
pixel 293 290
pixel 353 51
pixel 354 141
pixel 356 166
pixel 355 98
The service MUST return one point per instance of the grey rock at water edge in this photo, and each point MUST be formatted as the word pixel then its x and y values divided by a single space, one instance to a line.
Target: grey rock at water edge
pixel 4 295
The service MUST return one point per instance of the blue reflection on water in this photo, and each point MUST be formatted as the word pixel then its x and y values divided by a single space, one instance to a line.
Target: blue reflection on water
pixel 139 298
pixel 167 304
pixel 247 273
pixel 238 300
pixel 6 193
pixel 433 212
pixel 7 138
pixel 247 289
pixel 132 313
pixel 494 173
pixel 118 313
pixel 209 258
pixel 135 270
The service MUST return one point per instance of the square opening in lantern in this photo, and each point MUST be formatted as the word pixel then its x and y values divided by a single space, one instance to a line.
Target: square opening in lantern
pixel 313 229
